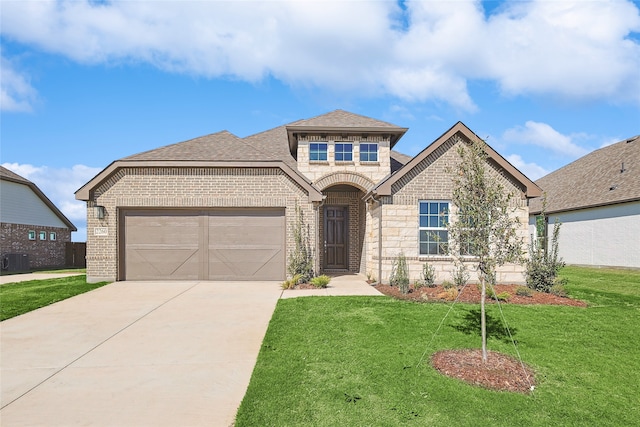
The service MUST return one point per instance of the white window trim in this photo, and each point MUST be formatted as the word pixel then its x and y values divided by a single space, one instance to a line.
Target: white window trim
pixel 420 228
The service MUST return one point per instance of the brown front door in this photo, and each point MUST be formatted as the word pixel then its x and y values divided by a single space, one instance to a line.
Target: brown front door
pixel 336 226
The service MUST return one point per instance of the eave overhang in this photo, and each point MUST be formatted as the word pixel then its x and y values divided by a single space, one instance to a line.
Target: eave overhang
pixel 85 193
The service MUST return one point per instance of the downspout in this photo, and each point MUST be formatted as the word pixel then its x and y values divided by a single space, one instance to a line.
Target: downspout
pixel 380 241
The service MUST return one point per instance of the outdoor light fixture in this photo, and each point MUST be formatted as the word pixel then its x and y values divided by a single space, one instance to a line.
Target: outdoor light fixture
pixel 99 212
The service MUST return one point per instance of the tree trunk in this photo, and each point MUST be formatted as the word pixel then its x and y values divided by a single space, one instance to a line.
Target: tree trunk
pixel 483 322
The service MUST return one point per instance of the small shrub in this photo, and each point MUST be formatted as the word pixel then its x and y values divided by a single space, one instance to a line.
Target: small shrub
pixel 449 294
pixel 523 291
pixel 400 274
pixel 320 281
pixel 460 275
pixel 558 289
pixel 428 276
pixel 544 263
pixel 503 296
pixel 448 284
pixel 291 283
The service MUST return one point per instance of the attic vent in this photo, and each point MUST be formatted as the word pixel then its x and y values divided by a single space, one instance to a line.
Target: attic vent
pixel 622 169
pixel 632 139
pixel 613 187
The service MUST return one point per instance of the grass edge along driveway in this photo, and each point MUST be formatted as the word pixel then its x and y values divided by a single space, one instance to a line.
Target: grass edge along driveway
pixel 21 297
pixel 345 361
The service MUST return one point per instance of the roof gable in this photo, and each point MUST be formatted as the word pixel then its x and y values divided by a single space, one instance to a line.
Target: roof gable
pixel 384 187
pixel 340 121
pixel 605 176
pixel 7 175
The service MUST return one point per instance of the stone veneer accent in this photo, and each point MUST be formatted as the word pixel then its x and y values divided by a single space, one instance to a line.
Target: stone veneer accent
pixel 430 180
pixel 196 188
pixel 14 239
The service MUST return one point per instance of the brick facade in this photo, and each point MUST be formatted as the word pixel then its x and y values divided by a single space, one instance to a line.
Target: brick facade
pixel 430 180
pixel 164 187
pixel 14 239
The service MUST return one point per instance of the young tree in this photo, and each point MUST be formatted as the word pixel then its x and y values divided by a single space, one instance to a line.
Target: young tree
pixel 482 227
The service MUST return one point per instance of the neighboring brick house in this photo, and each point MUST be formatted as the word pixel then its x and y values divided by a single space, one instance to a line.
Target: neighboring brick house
pixel 31 225
pixel 221 207
pixel 597 200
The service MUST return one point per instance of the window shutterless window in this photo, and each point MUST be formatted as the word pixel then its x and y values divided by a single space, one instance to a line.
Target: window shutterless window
pixel 368 152
pixel 318 152
pixel 344 152
pixel 32 234
pixel 52 236
pixel 433 234
pixel 43 235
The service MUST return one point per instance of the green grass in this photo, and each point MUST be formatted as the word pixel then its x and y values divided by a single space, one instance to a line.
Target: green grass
pixel 356 361
pixel 21 297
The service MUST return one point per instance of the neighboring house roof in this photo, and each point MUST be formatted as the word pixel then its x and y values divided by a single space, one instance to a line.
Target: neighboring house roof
pixel 384 187
pixel 342 121
pixel 7 175
pixel 606 176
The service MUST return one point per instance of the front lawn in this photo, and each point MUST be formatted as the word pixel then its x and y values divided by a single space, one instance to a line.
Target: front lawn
pixel 22 297
pixel 364 361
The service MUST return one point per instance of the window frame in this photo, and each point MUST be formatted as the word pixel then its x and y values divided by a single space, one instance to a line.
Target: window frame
pixel 369 152
pixel 53 236
pixel 427 230
pixel 32 235
pixel 321 150
pixel 42 236
pixel 343 152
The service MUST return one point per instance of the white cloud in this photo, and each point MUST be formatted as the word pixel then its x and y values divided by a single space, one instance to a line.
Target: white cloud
pixel 569 49
pixel 543 135
pixel 531 170
pixel 16 93
pixel 59 185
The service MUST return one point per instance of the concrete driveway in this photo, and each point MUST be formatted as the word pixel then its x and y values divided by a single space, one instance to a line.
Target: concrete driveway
pixel 135 354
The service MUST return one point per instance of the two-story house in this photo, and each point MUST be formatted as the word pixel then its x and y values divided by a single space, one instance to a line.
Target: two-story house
pixel 220 207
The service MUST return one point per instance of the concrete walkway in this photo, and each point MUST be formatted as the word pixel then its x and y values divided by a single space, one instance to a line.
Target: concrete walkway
pixel 13 278
pixel 141 353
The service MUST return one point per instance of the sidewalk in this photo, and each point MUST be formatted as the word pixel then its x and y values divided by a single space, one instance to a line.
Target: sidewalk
pixel 340 285
pixel 13 278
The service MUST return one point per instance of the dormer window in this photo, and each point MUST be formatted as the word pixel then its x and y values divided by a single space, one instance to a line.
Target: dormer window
pixel 368 152
pixel 344 152
pixel 318 152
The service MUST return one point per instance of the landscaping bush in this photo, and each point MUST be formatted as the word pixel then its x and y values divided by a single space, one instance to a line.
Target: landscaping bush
pixel 400 273
pixel 523 291
pixel 428 276
pixel 301 258
pixel 320 281
pixel 291 283
pixel 544 264
pixel 460 275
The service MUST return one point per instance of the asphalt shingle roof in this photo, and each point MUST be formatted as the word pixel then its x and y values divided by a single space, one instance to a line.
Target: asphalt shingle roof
pixel 12 176
pixel 343 119
pixel 221 146
pixel 605 176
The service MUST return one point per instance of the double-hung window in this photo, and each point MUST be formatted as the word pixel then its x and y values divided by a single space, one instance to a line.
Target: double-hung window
pixel 318 152
pixel 368 152
pixel 433 234
pixel 344 152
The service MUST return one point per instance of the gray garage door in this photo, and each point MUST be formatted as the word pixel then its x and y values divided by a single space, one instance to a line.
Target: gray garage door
pixel 238 244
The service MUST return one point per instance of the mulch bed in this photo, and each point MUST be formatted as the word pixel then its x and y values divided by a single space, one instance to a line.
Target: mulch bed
pixel 471 294
pixel 501 372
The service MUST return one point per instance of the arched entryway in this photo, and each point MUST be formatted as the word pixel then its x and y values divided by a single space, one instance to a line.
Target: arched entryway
pixel 342 229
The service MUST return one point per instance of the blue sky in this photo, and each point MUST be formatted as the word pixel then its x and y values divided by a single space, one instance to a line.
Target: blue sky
pixel 85 83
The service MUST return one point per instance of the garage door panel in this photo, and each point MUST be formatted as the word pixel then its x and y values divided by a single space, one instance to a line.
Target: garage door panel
pixel 162 264
pixel 238 244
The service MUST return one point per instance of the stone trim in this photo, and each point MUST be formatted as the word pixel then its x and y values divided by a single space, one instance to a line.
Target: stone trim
pixel 345 177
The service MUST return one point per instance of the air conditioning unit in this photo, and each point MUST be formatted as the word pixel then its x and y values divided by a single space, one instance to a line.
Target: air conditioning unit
pixel 15 262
